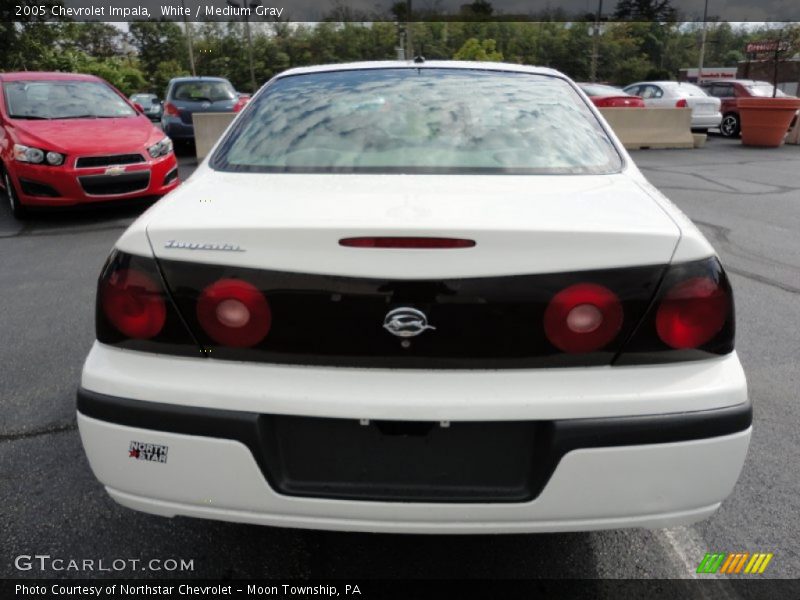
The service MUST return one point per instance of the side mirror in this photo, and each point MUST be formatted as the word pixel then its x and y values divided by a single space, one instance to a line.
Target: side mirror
pixel 139 108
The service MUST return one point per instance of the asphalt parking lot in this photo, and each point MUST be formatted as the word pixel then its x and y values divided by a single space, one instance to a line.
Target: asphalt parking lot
pixel 746 201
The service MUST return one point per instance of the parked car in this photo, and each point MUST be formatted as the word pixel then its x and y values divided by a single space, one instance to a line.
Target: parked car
pixel 671 94
pixel 728 91
pixel 608 96
pixel 417 297
pixel 69 139
pixel 189 95
pixel 150 105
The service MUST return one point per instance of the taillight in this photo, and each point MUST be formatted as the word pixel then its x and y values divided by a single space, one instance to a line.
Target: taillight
pixel 134 303
pixel 416 243
pixel 584 317
pixel 240 104
pixel 682 103
pixel 134 308
pixel 234 313
pixel 692 313
pixel 171 110
pixel 691 317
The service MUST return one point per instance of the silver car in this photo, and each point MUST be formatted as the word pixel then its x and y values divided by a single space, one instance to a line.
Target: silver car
pixel 706 112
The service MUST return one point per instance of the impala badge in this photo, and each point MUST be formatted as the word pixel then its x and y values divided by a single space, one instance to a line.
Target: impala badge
pixel 406 322
pixel 178 245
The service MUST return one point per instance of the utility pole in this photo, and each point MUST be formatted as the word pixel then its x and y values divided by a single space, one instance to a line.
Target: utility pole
pixel 702 44
pixel 409 34
pixel 188 27
pixel 596 41
pixel 251 5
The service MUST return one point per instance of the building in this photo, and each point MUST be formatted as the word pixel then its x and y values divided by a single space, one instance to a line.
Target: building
pixel 690 75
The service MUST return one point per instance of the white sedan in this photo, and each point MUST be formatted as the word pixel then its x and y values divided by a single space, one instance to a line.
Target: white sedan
pixel 673 94
pixel 428 297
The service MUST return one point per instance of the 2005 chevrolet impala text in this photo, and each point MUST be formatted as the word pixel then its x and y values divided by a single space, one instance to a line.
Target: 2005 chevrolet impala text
pixel 417 297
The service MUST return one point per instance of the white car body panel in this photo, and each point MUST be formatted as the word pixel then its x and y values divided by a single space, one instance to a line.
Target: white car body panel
pixel 521 225
pixel 428 395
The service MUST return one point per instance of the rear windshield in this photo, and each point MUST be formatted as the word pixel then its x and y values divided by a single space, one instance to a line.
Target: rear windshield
pixel 764 90
pixel 63 100
pixel 688 89
pixel 427 120
pixel 203 91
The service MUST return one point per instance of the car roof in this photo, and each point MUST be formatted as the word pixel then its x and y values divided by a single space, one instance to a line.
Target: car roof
pixel 47 76
pixel 197 78
pixel 428 64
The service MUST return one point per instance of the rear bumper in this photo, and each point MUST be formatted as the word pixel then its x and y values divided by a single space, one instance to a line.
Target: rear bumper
pixel 177 129
pixel 646 469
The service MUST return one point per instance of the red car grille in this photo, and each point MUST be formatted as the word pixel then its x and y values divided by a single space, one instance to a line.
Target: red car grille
pixel 114 185
pixel 85 162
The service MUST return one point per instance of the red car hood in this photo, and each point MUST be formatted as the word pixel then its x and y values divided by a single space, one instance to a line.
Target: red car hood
pixel 95 136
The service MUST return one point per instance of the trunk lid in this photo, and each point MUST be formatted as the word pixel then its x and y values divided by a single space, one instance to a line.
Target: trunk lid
pixel 703 106
pixel 521 224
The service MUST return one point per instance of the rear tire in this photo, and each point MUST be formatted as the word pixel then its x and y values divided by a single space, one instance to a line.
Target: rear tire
pixel 730 126
pixel 14 204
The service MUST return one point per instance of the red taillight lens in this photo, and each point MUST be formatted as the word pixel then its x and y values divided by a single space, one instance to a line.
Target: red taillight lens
pixel 171 109
pixel 234 313
pixel 240 104
pixel 692 313
pixel 682 103
pixel 584 317
pixel 406 242
pixel 134 303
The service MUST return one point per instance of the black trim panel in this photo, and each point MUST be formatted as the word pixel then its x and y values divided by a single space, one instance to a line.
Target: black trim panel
pixel 549 442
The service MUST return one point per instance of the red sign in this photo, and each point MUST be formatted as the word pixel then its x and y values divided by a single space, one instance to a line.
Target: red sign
pixel 766 46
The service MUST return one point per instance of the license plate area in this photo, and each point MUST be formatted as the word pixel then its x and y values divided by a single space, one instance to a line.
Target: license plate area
pixel 404 461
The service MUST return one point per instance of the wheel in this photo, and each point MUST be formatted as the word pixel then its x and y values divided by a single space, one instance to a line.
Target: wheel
pixel 14 204
pixel 730 125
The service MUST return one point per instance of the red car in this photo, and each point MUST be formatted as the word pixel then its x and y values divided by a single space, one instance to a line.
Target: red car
pixel 68 139
pixel 607 96
pixel 729 91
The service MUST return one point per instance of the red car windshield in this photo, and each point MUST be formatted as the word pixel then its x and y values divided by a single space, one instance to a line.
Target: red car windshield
pixel 63 100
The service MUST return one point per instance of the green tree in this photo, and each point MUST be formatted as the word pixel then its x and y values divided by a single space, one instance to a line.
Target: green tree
pixel 474 49
pixel 160 46
pixel 100 40
pixel 645 10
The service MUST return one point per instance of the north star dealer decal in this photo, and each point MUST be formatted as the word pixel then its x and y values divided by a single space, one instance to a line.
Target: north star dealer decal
pixel 152 452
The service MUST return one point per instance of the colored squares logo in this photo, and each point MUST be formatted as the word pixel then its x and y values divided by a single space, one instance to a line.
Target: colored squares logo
pixel 734 563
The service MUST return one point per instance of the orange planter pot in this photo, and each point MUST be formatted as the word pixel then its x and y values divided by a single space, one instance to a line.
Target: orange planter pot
pixel 765 120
